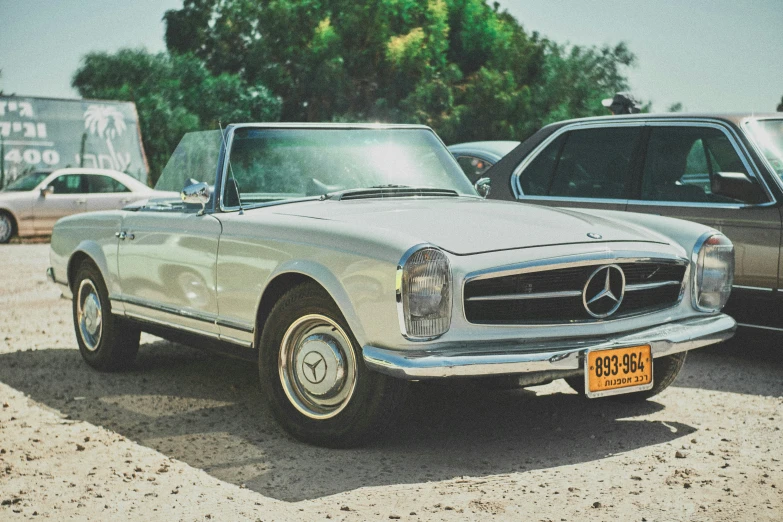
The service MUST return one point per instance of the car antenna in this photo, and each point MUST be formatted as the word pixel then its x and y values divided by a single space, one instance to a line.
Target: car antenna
pixel 231 170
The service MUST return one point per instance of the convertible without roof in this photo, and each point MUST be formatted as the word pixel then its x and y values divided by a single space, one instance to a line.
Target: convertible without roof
pixel 349 259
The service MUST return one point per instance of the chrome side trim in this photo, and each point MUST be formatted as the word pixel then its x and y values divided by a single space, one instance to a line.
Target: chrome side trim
pixel 516 297
pixel 398 290
pixel 772 328
pixel 650 286
pixel 236 325
pixel 144 318
pixel 189 314
pixel 759 288
pixel 463 359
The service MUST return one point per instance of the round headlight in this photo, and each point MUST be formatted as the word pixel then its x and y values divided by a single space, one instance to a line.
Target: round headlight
pixel 424 294
pixel 713 272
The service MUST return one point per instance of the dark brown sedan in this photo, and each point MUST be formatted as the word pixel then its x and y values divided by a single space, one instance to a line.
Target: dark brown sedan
pixel 719 170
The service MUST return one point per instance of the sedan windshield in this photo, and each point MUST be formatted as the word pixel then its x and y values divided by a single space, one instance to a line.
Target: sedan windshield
pixel 279 164
pixel 768 135
pixel 26 183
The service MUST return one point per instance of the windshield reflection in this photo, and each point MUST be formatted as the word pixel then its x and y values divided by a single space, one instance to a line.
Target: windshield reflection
pixel 768 135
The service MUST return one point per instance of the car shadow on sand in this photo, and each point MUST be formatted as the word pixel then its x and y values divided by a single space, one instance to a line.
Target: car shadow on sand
pixel 750 363
pixel 207 411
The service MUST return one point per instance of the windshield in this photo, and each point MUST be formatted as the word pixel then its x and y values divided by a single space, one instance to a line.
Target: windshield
pixel 279 164
pixel 26 183
pixel 768 135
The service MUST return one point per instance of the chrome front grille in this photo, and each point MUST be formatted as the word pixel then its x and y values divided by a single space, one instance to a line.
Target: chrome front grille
pixel 549 295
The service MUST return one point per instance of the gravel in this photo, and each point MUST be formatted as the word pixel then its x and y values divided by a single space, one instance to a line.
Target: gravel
pixel 185 436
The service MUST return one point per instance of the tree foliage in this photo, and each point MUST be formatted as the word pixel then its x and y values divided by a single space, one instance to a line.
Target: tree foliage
pixel 174 94
pixel 469 70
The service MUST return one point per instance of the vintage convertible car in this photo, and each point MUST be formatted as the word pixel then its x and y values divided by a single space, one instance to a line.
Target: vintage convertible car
pixel 349 259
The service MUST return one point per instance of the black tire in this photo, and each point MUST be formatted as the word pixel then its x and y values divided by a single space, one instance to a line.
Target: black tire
pixel 365 402
pixel 665 371
pixel 7 227
pixel 107 342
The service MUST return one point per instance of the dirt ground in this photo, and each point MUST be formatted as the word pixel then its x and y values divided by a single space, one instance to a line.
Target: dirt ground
pixel 183 436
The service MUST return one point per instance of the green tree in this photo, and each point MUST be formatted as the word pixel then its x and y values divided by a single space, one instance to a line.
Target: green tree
pixel 469 70
pixel 174 94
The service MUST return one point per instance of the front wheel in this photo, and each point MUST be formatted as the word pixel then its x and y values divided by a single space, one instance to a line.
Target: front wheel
pixel 106 342
pixel 314 377
pixel 665 371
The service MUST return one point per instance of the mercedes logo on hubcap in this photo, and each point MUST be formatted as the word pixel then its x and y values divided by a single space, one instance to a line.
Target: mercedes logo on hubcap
pixel 314 367
pixel 604 291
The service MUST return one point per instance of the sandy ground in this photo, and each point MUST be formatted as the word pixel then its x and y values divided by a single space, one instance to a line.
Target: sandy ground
pixel 184 437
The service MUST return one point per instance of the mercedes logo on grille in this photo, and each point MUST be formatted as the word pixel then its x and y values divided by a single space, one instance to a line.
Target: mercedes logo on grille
pixel 604 291
pixel 314 367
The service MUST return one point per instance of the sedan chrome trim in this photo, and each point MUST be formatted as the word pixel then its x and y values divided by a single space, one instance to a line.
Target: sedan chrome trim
pixel 729 132
pixel 650 286
pixel 458 359
pixel 515 297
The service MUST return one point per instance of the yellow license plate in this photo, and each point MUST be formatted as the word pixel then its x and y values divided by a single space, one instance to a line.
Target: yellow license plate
pixel 618 370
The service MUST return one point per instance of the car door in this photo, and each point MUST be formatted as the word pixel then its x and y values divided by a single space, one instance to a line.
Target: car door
pixel 68 196
pixel 679 162
pixel 166 265
pixel 580 167
pixel 106 193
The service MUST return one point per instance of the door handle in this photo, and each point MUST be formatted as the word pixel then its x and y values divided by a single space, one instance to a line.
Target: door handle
pixel 125 235
pixel 80 201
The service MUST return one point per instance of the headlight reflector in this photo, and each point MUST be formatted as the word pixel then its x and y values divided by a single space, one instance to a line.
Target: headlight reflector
pixel 424 294
pixel 714 273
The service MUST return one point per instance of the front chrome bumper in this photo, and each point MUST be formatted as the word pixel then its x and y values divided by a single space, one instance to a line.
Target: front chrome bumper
pixel 520 356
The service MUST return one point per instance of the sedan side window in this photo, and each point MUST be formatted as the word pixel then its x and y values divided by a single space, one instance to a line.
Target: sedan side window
pixel 594 163
pixel 100 184
pixel 69 184
pixel 681 161
pixel 473 167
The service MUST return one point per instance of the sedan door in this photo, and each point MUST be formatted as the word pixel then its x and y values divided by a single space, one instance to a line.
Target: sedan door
pixel 680 162
pixel 68 196
pixel 106 193
pixel 582 167
pixel 167 262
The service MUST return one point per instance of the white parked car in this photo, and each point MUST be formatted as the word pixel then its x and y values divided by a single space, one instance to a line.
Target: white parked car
pixel 349 259
pixel 30 205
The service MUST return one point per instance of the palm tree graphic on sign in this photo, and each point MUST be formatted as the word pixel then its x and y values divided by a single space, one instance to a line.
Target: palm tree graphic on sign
pixel 107 123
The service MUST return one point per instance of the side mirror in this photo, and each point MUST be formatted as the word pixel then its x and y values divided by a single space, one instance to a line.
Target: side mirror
pixel 45 191
pixel 736 185
pixel 482 187
pixel 196 193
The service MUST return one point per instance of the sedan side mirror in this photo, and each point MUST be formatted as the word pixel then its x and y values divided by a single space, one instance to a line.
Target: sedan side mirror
pixel 45 191
pixel 482 187
pixel 737 185
pixel 196 193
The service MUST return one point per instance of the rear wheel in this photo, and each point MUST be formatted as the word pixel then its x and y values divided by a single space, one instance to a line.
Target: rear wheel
pixel 107 342
pixel 7 227
pixel 314 377
pixel 665 371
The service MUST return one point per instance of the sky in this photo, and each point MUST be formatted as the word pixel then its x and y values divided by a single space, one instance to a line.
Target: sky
pixel 709 55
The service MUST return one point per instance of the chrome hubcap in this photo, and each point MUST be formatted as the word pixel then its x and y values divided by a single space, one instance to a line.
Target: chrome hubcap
pixel 89 315
pixel 317 366
pixel 5 228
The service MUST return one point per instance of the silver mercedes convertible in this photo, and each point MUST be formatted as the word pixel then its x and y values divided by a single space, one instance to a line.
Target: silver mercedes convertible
pixel 348 260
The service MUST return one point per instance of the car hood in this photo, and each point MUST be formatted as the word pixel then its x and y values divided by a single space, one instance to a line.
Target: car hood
pixel 469 225
pixel 18 196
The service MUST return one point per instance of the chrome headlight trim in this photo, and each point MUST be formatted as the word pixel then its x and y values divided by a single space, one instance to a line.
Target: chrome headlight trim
pixel 399 291
pixel 697 260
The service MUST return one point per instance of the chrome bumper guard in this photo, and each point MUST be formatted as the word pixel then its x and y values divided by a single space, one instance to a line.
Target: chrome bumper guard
pixel 520 356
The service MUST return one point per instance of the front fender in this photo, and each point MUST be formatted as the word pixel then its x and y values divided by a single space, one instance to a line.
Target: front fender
pixel 330 282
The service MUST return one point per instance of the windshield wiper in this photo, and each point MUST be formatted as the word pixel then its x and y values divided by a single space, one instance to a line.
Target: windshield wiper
pixel 383 191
